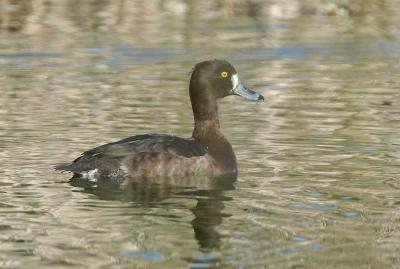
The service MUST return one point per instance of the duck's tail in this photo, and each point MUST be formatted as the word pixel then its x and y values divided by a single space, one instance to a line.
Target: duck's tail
pixel 66 167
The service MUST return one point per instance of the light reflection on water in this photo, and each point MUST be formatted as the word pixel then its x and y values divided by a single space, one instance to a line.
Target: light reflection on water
pixel 318 184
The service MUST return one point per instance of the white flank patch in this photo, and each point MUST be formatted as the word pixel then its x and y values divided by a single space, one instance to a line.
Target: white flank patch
pixel 90 174
pixel 124 169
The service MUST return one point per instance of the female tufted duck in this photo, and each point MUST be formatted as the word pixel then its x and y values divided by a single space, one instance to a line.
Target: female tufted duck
pixel 207 152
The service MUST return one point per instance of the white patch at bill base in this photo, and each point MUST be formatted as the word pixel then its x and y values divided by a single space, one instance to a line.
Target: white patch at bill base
pixel 235 81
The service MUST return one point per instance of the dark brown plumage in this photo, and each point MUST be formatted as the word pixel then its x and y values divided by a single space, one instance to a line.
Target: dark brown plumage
pixel 207 152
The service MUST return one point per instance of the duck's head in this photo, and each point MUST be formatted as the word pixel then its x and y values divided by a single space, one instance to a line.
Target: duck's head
pixel 218 78
pixel 212 80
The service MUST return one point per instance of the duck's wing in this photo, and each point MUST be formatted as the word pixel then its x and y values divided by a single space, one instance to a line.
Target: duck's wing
pixel 109 156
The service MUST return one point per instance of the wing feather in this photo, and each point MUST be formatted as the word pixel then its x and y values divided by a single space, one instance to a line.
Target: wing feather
pixel 110 155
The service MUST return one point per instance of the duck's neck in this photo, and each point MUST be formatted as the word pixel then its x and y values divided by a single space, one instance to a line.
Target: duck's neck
pixel 207 132
pixel 205 112
pixel 206 125
pixel 204 104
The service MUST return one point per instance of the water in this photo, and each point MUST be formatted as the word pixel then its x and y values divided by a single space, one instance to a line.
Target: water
pixel 318 160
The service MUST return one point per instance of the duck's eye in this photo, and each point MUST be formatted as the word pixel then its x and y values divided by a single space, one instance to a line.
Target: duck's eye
pixel 224 74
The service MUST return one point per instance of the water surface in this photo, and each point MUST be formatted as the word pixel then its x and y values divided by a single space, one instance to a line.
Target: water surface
pixel 318 160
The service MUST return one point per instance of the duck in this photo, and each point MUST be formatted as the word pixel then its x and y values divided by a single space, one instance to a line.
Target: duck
pixel 206 153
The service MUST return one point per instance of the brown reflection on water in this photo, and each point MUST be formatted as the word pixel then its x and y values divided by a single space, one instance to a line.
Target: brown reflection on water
pixel 14 14
pixel 156 22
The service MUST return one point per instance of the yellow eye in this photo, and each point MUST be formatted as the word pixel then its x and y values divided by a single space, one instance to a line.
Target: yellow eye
pixel 224 74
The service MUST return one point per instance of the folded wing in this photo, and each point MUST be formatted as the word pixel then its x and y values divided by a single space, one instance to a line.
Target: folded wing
pixel 110 156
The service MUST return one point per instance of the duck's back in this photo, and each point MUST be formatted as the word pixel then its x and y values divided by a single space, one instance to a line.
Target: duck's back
pixel 145 156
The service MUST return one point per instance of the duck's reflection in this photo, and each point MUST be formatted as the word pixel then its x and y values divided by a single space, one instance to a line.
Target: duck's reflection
pixel 210 194
pixel 208 215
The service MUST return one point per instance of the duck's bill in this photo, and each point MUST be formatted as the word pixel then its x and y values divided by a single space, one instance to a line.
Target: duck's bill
pixel 240 89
